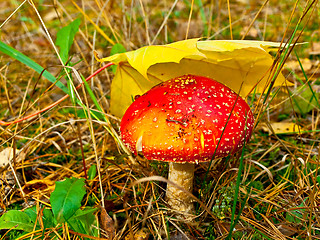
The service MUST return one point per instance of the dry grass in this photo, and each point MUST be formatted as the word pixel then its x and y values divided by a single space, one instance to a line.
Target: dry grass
pixel 279 190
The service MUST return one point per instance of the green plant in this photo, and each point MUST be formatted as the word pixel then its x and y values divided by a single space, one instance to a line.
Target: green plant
pixel 223 204
pixel 65 210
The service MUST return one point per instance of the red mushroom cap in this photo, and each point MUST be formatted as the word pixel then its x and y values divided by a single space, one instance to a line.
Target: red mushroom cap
pixel 187 119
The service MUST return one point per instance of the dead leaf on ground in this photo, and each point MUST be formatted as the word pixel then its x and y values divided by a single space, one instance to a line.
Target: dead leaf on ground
pixel 8 180
pixel 53 14
pixel 7 154
pixel 287 230
pixel 315 48
pixel 295 66
pixel 253 32
pixel 282 128
pixel 107 224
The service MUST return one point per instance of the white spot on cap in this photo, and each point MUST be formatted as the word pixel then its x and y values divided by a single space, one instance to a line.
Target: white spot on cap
pixel 139 144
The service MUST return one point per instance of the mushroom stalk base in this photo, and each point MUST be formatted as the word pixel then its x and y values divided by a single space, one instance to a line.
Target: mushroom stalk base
pixel 181 174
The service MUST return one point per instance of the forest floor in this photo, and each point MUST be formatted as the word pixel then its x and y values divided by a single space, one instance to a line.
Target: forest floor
pixel 272 193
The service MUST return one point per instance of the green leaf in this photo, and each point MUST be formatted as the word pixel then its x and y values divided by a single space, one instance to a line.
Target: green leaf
pixel 6 49
pixel 65 38
pixel 318 179
pixel 295 216
pixel 47 218
pixel 92 172
pixel 16 219
pixel 83 221
pixel 32 213
pixel 66 198
pixel 304 99
pixel 26 19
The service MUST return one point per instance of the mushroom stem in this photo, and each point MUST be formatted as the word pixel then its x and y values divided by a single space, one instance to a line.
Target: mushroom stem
pixel 181 174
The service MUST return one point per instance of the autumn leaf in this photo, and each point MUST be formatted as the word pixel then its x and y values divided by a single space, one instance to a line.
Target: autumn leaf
pixel 7 154
pixel 284 127
pixel 303 100
pixel 107 224
pixel 241 65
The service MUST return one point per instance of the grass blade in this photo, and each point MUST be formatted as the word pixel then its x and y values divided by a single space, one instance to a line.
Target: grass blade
pixel 10 51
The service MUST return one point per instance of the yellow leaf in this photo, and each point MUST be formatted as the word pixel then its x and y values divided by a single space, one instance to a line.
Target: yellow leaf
pixel 241 65
pixel 143 58
pixel 282 128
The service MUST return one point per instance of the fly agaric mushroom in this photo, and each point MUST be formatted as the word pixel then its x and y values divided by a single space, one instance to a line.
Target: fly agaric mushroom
pixel 183 121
